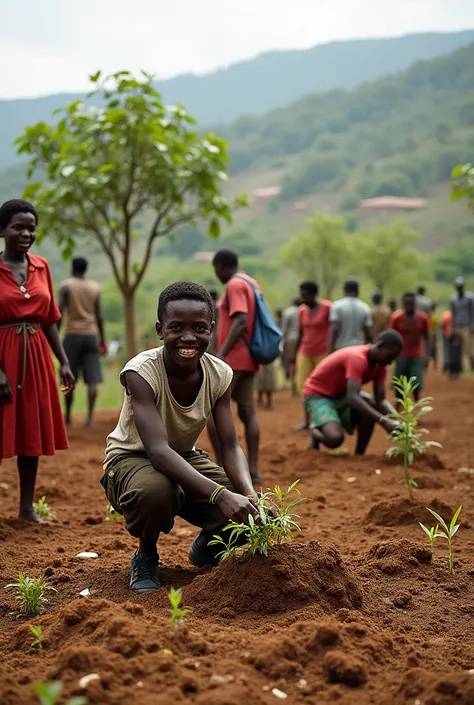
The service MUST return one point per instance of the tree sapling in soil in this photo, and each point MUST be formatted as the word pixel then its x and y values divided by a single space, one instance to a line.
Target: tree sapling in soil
pixel 407 437
pixel 42 509
pixel 37 632
pixel 432 535
pixel 177 613
pixel 49 694
pixel 31 593
pixel 448 532
pixel 276 523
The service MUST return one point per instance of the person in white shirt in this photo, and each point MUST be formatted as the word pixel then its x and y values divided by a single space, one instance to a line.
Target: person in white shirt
pixel 350 318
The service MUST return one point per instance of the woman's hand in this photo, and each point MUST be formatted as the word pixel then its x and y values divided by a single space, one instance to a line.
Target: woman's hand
pixel 6 396
pixel 67 378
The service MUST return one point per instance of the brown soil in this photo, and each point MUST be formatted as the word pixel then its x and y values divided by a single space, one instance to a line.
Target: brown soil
pixel 352 612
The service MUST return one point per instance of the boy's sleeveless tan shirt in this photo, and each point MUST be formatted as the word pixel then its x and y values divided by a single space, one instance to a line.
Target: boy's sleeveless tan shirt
pixel 183 424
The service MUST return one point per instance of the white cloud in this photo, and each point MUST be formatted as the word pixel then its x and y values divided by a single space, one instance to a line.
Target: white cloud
pixel 53 46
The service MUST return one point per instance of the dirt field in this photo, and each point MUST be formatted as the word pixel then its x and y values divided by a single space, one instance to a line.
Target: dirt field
pixel 352 612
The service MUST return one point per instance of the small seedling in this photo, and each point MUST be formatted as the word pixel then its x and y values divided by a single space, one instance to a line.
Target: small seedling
pixel 112 515
pixel 31 593
pixel 49 694
pixel 448 532
pixel 408 437
pixel 38 640
pixel 432 535
pixel 177 613
pixel 42 509
pixel 275 523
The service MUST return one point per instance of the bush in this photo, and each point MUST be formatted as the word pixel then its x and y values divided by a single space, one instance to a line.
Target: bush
pixel 313 174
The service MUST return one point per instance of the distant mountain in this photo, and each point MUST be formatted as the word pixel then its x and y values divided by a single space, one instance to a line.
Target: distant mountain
pixel 255 86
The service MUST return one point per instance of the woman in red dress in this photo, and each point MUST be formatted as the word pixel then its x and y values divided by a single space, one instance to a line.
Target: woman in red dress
pixel 31 422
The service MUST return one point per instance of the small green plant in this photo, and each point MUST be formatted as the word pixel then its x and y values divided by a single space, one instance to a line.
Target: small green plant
pixel 408 436
pixel 448 533
pixel 112 515
pixel 432 536
pixel 42 509
pixel 31 594
pixel 37 632
pixel 275 523
pixel 177 613
pixel 49 694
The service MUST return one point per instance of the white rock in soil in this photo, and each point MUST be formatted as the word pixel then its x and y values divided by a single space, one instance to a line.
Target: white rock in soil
pixel 87 554
pixel 85 680
pixel 85 593
pixel 351 479
pixel 302 683
pixel 279 694
pixel 378 471
pixel 216 679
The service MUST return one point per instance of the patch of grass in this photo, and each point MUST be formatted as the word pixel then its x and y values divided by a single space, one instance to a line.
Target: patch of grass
pixel 37 632
pixel 31 594
pixel 49 694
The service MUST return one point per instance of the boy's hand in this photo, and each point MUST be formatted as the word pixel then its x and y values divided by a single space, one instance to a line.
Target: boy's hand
pixel 390 425
pixel 236 507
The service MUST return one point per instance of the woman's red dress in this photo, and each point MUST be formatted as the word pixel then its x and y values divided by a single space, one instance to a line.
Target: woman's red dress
pixel 32 424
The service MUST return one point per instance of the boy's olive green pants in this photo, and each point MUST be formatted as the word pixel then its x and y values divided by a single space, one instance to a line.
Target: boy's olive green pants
pixel 149 501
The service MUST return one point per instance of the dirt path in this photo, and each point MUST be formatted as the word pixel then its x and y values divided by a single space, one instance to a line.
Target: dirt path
pixel 352 613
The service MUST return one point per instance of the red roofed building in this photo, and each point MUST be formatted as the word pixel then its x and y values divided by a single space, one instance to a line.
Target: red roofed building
pixel 389 205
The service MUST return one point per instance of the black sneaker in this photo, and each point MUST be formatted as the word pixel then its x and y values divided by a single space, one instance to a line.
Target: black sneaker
pixel 143 578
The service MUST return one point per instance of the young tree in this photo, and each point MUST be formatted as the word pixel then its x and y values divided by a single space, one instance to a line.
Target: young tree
pixel 321 252
pixel 132 159
pixel 463 186
pixel 385 253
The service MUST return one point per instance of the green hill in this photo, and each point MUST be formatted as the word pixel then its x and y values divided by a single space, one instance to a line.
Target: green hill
pixel 260 84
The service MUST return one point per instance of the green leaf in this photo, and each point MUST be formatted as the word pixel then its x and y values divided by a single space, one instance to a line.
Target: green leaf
pixel 438 518
pixel 455 517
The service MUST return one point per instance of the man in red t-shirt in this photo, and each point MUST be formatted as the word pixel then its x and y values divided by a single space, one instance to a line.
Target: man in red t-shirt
pixel 236 324
pixel 413 326
pixel 313 343
pixel 333 396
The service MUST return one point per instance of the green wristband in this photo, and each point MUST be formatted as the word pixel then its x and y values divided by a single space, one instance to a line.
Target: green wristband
pixel 215 494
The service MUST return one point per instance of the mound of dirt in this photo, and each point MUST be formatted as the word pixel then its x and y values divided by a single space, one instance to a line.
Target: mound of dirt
pixel 292 574
pixel 402 511
pixel 419 685
pixel 393 557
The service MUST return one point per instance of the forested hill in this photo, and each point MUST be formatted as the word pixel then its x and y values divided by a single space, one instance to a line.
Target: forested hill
pixel 260 84
pixel 396 135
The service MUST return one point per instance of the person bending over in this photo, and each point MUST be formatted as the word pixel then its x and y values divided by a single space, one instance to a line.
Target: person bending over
pixel 334 398
pixel 153 471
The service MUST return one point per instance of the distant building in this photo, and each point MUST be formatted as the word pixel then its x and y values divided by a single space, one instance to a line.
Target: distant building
pixel 203 256
pixel 264 194
pixel 388 205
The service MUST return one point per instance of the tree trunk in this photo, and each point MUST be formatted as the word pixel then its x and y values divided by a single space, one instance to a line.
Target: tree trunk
pixel 129 315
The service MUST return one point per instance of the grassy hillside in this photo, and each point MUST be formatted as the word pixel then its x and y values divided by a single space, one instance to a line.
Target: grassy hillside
pixel 260 84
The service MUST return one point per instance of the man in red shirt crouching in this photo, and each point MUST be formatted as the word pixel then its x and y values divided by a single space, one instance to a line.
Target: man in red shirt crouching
pixel 334 398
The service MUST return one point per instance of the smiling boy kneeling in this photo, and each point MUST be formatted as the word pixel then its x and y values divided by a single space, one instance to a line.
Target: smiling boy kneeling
pixel 152 470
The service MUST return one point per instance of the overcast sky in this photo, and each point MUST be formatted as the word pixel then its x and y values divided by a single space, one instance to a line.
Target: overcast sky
pixel 52 46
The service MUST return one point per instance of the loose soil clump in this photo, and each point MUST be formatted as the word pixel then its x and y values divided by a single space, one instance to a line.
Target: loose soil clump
pixel 290 576
pixel 402 511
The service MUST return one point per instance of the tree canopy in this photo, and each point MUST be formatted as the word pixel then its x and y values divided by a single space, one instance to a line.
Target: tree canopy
pixel 130 162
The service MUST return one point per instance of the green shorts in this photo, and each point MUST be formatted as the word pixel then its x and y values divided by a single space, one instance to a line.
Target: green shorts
pixel 410 367
pixel 322 411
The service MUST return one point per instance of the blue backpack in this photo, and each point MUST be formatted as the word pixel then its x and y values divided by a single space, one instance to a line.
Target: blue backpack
pixel 266 338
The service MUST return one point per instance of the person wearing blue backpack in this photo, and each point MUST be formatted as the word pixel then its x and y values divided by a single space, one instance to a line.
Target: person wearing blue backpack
pixel 247 337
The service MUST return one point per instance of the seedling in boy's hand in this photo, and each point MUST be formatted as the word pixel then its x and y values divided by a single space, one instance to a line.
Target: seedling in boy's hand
pixel 38 640
pixel 177 613
pixel 407 436
pixel 42 509
pixel 448 533
pixel 275 524
pixel 432 535
pixel 49 694
pixel 31 593
pixel 112 514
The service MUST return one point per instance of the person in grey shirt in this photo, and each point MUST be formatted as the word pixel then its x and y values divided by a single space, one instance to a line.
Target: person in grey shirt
pixel 350 318
pixel 290 331
pixel 423 302
pixel 462 309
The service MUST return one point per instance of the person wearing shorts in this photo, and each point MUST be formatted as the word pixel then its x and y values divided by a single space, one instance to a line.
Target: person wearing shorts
pixel 153 471
pixel 314 326
pixel 334 398
pixel 236 323
pixel 413 326
pixel 84 343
